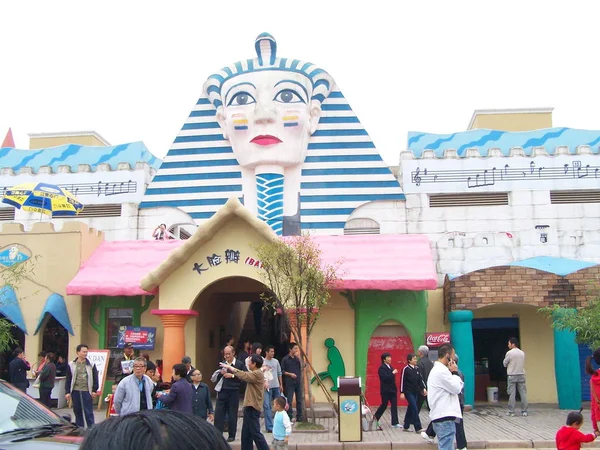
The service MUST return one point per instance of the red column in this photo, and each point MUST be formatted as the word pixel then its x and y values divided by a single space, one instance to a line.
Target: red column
pixel 173 321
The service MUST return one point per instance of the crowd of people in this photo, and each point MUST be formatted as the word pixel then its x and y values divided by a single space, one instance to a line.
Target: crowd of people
pixel 269 387
pixel 139 386
pixel 440 385
pixel 48 366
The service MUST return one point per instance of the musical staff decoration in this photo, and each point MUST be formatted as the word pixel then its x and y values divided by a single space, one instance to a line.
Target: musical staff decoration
pixel 477 178
pixel 98 189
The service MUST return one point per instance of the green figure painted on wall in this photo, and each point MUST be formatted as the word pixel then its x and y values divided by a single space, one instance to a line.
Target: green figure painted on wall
pixel 336 367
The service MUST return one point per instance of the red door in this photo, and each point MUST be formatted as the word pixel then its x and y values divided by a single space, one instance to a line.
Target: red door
pixel 399 347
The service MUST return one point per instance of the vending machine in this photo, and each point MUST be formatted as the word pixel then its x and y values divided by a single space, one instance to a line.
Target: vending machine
pixel 435 341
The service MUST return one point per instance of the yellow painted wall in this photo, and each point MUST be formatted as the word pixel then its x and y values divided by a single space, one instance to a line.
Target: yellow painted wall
pixel 435 312
pixel 537 341
pixel 47 142
pixel 337 322
pixel 60 259
pixel 180 289
pixel 89 335
pixel 513 121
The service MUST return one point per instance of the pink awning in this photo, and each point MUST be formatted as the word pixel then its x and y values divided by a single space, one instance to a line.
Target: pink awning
pixel 382 262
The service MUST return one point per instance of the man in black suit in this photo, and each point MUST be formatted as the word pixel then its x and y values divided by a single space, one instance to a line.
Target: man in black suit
pixel 228 397
pixel 189 369
pixel 388 390
pixel 425 365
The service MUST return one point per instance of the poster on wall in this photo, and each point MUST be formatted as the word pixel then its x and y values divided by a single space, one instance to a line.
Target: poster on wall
pixel 100 358
pixel 142 338
pixel 437 339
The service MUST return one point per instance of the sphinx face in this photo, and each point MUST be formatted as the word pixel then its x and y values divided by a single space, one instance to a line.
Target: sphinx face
pixel 268 117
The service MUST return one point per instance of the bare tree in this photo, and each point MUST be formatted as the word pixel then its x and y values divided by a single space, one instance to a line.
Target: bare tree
pixel 299 284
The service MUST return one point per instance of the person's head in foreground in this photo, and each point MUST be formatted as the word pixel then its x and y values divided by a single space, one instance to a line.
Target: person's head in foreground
pixel 155 430
pixel 575 419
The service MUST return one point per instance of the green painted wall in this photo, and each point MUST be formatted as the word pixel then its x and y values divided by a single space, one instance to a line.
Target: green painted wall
pixel 101 305
pixel 372 308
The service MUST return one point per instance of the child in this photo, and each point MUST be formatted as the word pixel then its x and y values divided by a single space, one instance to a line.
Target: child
pixel 569 437
pixel 110 408
pixel 282 427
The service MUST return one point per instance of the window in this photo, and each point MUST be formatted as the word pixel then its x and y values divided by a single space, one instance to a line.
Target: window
pixel 468 199
pixel 361 226
pixel 578 196
pixel 108 210
pixel 7 214
pixel 116 318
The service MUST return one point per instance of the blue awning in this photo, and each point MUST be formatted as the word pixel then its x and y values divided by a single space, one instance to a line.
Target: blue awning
pixel 9 307
pixel 56 307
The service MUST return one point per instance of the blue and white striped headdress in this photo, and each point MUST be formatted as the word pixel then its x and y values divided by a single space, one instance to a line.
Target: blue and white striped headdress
pixel 266 51
pixel 342 170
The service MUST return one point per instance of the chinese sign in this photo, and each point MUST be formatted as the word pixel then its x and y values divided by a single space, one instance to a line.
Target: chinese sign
pixel 229 256
pixel 14 254
pixel 437 339
pixel 142 338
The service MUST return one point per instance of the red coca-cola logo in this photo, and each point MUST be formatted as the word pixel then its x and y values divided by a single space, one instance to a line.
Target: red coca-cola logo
pixel 437 339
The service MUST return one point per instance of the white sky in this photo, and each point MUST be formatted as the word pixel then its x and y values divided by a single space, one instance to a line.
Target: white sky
pixel 132 70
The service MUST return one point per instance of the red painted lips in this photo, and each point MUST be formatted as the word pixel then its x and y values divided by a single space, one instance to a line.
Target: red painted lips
pixel 266 140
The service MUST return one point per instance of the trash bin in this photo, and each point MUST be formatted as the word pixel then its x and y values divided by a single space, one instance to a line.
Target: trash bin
pixel 350 404
pixel 492 394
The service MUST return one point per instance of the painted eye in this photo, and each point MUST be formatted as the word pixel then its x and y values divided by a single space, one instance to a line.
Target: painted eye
pixel 241 99
pixel 288 96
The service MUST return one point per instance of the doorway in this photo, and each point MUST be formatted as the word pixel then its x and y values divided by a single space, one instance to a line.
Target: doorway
pixel 490 339
pixel 392 339
pixel 234 306
pixel 55 338
pixel 6 357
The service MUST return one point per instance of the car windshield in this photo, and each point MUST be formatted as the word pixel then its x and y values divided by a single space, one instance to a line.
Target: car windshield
pixel 18 410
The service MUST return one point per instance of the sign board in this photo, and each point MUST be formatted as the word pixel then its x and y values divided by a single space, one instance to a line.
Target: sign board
pixel 142 338
pixel 14 254
pixel 437 339
pixel 101 359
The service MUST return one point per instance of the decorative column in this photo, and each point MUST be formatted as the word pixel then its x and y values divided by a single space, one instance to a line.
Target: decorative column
pixel 566 368
pixel 173 321
pixel 461 335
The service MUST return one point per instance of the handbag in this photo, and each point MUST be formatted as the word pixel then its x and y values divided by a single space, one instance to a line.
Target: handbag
pixel 36 383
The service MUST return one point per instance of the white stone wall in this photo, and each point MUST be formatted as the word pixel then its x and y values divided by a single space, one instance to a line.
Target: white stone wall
pixel 469 238
pixel 115 228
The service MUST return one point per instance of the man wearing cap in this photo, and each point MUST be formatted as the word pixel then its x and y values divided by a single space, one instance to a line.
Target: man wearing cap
pixel 123 364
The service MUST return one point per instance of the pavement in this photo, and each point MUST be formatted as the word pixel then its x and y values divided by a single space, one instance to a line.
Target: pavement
pixel 486 427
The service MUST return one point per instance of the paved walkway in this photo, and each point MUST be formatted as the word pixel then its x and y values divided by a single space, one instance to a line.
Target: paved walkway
pixel 486 427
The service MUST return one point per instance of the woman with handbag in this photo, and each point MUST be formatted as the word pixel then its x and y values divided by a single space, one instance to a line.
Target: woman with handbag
pixel 594 387
pixel 46 378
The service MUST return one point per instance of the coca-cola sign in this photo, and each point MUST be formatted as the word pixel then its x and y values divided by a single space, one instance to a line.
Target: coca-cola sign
pixel 437 339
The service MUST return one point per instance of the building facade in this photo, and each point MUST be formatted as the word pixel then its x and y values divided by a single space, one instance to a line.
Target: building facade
pixel 469 235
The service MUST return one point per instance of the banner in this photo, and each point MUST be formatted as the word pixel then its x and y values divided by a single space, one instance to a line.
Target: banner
pixel 142 338
pixel 101 359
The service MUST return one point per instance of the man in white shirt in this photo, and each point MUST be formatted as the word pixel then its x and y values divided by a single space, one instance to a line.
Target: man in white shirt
pixel 514 361
pixel 443 387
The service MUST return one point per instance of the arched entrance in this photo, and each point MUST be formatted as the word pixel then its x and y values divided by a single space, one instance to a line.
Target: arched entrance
pixel 233 306
pixel 55 338
pixel 6 357
pixel 392 338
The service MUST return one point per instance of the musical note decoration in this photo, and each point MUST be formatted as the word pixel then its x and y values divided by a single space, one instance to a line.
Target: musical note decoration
pixel 476 178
